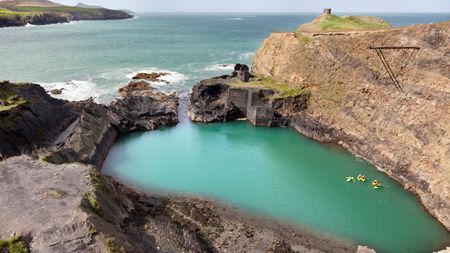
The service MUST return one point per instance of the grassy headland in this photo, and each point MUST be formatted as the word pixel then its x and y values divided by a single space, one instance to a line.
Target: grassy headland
pixel 333 23
pixel 41 12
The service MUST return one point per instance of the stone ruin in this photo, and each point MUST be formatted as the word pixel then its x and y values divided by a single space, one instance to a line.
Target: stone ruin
pixel 242 72
pixel 327 11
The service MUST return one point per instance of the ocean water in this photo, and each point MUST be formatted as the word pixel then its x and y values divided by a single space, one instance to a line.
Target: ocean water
pixel 275 172
pixel 95 58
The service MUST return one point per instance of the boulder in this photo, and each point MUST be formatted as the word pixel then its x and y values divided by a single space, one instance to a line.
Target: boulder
pixel 56 91
pixel 153 77
pixel 364 249
pixel 134 88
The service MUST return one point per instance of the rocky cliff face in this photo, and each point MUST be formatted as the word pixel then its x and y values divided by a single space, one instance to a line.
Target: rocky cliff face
pixel 35 123
pixel 72 208
pixel 400 124
pixel 75 131
pixel 38 19
pixel 56 17
pixel 98 126
pixel 218 99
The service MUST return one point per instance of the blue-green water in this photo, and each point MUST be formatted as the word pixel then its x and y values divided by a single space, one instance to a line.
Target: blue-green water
pixel 270 171
pixel 277 172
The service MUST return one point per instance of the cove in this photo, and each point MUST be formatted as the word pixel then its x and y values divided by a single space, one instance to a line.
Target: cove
pixel 280 174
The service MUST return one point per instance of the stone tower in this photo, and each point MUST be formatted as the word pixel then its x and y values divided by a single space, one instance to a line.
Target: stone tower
pixel 327 11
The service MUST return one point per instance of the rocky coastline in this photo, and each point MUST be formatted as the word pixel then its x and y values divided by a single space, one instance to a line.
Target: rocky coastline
pixel 56 17
pixel 55 199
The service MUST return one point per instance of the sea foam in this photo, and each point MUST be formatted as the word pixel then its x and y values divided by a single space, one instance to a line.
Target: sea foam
pixel 219 67
pixel 76 90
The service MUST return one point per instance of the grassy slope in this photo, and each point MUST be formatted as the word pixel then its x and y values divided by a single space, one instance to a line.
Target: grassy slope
pixel 15 9
pixel 281 90
pixel 11 98
pixel 56 9
pixel 332 23
pixel 12 14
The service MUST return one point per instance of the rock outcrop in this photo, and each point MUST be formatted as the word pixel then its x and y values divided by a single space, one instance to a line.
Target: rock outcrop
pixel 150 76
pixel 145 112
pixel 72 208
pixel 400 124
pixel 134 88
pixel 37 122
pixel 98 127
pixel 219 99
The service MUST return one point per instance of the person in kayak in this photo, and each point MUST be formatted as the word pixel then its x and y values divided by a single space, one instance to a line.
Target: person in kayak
pixel 361 178
pixel 376 184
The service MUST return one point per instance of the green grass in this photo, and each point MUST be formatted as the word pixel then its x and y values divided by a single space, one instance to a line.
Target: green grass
pixel 333 23
pixel 112 247
pixel 98 181
pixel 302 37
pixel 57 9
pixel 4 13
pixel 281 90
pixel 92 230
pixel 56 193
pixel 13 245
pixel 11 98
pixel 91 199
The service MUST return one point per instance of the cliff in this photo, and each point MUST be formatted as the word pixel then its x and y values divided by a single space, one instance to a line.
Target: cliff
pixel 31 119
pixel 21 13
pixel 398 121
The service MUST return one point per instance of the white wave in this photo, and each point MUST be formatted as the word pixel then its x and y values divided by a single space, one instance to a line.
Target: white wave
pixel 246 56
pixel 220 67
pixel 75 90
pixel 29 25
pixel 236 19
pixel 172 77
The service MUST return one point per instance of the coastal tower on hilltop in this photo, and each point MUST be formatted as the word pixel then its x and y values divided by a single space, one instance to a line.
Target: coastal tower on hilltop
pixel 327 11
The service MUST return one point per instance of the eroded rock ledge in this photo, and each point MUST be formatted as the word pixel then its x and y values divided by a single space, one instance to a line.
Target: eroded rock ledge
pixel 221 99
pixel 99 125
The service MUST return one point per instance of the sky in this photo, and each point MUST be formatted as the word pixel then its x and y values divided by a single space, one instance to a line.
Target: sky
pixel 271 5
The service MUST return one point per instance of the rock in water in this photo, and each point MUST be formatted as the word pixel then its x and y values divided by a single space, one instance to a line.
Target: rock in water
pixel 364 249
pixel 134 88
pixel 56 91
pixel 153 77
